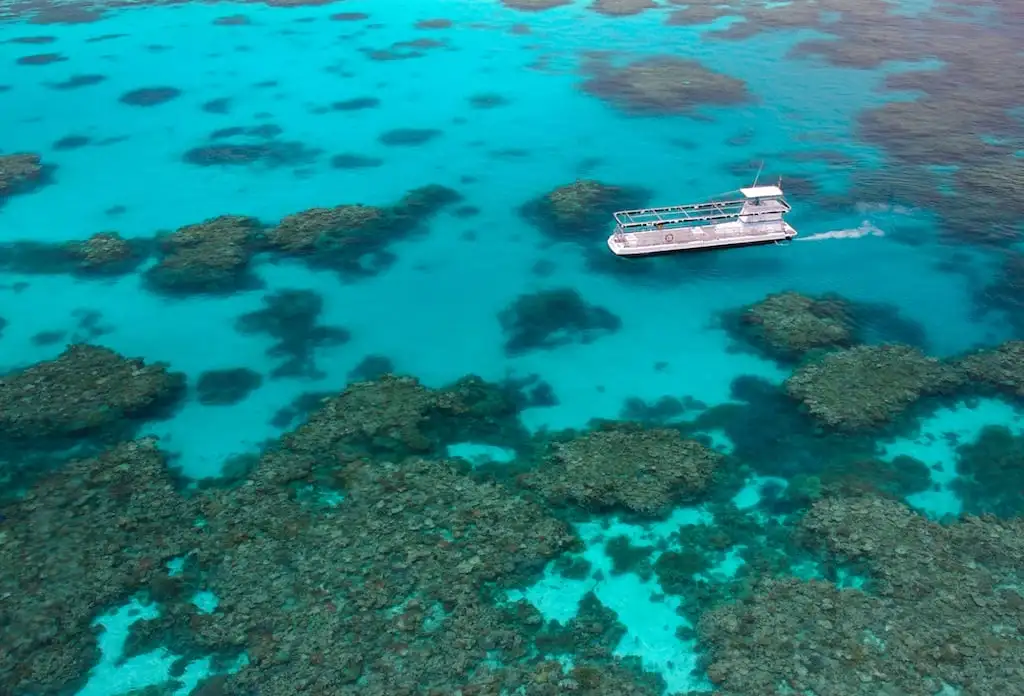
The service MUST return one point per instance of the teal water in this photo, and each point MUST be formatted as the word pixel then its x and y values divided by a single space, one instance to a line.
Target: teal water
pixel 498 97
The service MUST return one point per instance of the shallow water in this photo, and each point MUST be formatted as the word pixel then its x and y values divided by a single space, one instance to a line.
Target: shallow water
pixel 496 99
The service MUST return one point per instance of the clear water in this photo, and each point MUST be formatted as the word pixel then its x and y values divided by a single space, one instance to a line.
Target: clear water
pixel 434 311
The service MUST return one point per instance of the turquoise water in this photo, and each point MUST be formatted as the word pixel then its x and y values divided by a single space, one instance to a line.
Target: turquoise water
pixel 493 104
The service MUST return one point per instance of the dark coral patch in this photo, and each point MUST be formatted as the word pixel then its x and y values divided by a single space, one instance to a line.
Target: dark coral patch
pixel 352 161
pixel 487 101
pixel 104 37
pixel 76 81
pixel 434 24
pixel 221 105
pixel 349 16
pixel 663 85
pixel 149 96
pixel 552 318
pixel 266 130
pixel 66 14
pixel 371 367
pixel 227 387
pixel 622 8
pixel 32 40
pixel 71 142
pixel 237 20
pixel 278 153
pixel 41 59
pixel 534 5
pixel 357 104
pixel 292 319
pixel 407 137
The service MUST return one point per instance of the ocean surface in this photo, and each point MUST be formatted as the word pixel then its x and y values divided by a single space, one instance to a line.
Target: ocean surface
pixel 895 130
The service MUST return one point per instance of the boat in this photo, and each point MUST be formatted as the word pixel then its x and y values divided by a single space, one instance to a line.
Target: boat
pixel 750 216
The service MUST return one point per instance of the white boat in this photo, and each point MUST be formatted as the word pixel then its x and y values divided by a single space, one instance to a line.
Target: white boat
pixel 755 217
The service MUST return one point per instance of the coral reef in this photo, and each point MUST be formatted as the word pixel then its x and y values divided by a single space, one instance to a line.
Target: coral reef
pixel 999 369
pixel 211 257
pixel 105 253
pixel 20 173
pixel 663 85
pixel 624 466
pixel 551 318
pixel 991 473
pixel 354 238
pixel 581 211
pixel 291 318
pixel 80 541
pixel 867 386
pixel 622 8
pixel 944 613
pixel 788 325
pixel 102 254
pixel 87 390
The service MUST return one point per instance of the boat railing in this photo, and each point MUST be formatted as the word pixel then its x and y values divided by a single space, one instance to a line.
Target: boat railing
pixel 686 215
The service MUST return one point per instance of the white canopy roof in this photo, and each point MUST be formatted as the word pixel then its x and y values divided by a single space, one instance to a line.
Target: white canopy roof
pixel 761 191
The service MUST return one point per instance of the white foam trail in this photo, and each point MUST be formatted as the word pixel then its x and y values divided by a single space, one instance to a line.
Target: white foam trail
pixel 866 229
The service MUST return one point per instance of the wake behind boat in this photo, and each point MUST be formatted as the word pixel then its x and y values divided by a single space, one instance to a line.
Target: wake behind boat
pixel 755 217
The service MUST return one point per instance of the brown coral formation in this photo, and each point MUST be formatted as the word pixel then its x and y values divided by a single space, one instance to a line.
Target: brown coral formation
pixel 212 256
pixel 789 325
pixel 388 582
pixel 663 85
pixel 399 583
pixel 945 613
pixel 85 391
pixel 534 5
pixel 347 237
pixel 341 226
pixel 868 386
pixel 78 543
pixel 642 470
pixel 580 211
pixel 19 173
pixel 622 8
pixel 1000 368
pixel 105 253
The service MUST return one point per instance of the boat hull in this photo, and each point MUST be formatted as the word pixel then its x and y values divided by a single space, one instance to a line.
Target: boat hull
pixel 648 244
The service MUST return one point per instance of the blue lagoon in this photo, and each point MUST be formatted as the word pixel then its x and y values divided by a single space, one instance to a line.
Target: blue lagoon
pixel 318 375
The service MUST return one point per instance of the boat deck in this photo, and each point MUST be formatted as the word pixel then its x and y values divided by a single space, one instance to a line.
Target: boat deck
pixel 756 218
pixel 729 234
